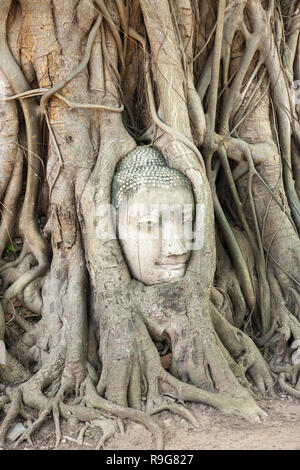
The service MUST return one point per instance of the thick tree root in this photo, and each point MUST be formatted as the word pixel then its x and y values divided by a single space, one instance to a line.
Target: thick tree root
pixel 93 399
pixel 216 356
pixel 15 408
pixel 245 353
pixel 243 406
pixel 53 406
pixel 96 410
pixel 286 387
pixel 163 405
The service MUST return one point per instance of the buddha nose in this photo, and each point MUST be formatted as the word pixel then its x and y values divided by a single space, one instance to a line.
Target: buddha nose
pixel 173 247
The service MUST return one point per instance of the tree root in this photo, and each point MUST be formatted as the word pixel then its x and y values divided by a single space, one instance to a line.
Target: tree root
pixel 108 427
pixel 15 408
pixel 53 406
pixel 80 438
pixel 3 401
pixel 96 409
pixel 174 408
pixel 81 66
pixel 219 356
pixel 286 387
pixel 244 351
pixel 93 399
pixel 243 406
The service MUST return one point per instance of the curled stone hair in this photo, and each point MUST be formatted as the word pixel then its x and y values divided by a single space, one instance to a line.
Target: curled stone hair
pixel 144 167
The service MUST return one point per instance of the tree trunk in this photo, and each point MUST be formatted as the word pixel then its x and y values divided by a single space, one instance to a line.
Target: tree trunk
pixel 211 86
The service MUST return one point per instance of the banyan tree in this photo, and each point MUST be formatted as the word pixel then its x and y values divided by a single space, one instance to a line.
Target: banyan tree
pixel 108 108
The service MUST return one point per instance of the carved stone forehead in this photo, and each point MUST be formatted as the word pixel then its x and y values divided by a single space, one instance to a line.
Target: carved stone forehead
pixel 144 167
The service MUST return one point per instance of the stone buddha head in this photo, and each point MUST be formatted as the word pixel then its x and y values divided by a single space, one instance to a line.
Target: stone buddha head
pixel 155 208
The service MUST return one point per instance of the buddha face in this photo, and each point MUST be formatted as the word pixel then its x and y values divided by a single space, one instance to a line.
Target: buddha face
pixel 155 233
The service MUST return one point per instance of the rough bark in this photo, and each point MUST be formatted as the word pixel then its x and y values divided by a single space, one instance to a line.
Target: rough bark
pixel 210 85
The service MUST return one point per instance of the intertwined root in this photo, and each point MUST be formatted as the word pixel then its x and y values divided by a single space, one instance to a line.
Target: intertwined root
pixel 235 351
pixel 108 427
pixel 163 392
pixel 159 384
pixel 160 390
pixel 91 409
pixel 15 408
pixel 104 414
pixel 148 387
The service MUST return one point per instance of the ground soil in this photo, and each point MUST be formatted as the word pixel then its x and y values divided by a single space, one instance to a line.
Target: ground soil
pixel 280 431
